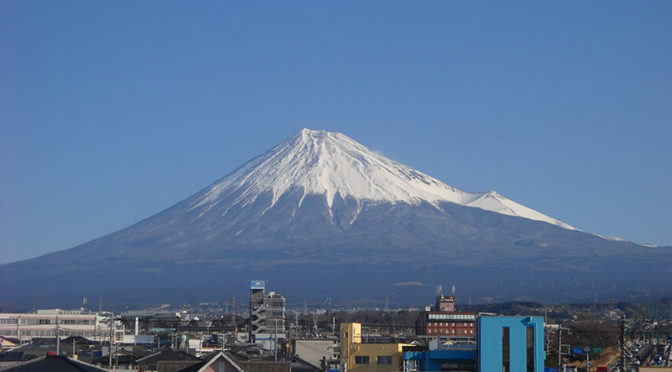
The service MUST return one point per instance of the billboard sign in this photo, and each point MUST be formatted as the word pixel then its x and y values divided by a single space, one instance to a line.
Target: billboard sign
pixel 257 284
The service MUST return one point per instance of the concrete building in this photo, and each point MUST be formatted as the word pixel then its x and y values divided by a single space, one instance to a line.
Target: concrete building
pixel 460 358
pixel 267 316
pixel 447 324
pixel 511 343
pixel 443 321
pixel 314 351
pixel 65 323
pixel 371 357
pixel 505 343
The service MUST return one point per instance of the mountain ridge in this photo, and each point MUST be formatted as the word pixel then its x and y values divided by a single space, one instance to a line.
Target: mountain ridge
pixel 328 163
pixel 340 244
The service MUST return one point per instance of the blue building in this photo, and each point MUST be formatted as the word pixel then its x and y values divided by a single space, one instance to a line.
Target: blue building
pixel 509 343
pixel 449 358
pixel 504 343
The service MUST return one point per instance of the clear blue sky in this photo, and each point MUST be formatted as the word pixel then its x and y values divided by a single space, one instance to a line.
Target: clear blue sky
pixel 111 111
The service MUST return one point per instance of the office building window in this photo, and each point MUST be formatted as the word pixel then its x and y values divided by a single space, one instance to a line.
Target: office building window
pixel 506 358
pixel 385 359
pixel 361 359
pixel 530 348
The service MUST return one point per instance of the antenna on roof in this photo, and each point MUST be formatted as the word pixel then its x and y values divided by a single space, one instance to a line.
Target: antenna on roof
pixel 453 289
pixel 439 290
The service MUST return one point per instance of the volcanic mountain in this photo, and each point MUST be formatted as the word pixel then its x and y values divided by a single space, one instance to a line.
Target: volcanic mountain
pixel 320 215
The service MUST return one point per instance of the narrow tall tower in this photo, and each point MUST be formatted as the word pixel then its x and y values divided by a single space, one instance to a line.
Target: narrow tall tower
pixel 257 294
pixel 267 316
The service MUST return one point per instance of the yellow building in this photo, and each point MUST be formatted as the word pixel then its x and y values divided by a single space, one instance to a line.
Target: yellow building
pixel 359 357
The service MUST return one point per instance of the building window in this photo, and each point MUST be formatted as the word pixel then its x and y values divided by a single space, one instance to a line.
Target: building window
pixel 530 348
pixel 506 358
pixel 361 359
pixel 385 359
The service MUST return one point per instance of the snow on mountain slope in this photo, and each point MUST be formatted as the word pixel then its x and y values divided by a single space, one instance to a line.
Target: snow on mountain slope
pixel 329 163
pixel 494 202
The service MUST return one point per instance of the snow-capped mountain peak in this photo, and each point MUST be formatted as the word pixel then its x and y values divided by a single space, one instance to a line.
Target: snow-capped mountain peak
pixel 330 163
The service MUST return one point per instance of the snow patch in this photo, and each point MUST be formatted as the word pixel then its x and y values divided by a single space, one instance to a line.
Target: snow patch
pixel 327 163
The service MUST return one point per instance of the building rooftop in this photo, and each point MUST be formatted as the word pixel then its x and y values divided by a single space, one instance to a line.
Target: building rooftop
pixel 51 363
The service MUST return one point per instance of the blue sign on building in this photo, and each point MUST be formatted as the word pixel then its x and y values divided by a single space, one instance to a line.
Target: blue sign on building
pixel 257 284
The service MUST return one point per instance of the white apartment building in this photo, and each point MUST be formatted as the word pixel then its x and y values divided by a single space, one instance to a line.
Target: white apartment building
pixel 65 323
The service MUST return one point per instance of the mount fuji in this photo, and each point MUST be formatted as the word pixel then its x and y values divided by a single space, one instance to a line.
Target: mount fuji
pixel 334 166
pixel 320 215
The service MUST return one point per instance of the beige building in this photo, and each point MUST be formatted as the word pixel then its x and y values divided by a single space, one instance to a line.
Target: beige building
pixel 368 357
pixel 65 323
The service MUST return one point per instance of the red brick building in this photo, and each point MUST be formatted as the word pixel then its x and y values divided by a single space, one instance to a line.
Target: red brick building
pixel 444 321
pixel 453 324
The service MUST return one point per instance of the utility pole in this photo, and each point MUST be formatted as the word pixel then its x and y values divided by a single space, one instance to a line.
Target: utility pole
pixel 110 343
pixel 18 330
pixel 233 312
pixel 587 362
pixel 547 339
pixel 296 321
pixel 275 339
pixel 58 339
pixel 559 348
pixel 315 323
pixel 622 342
